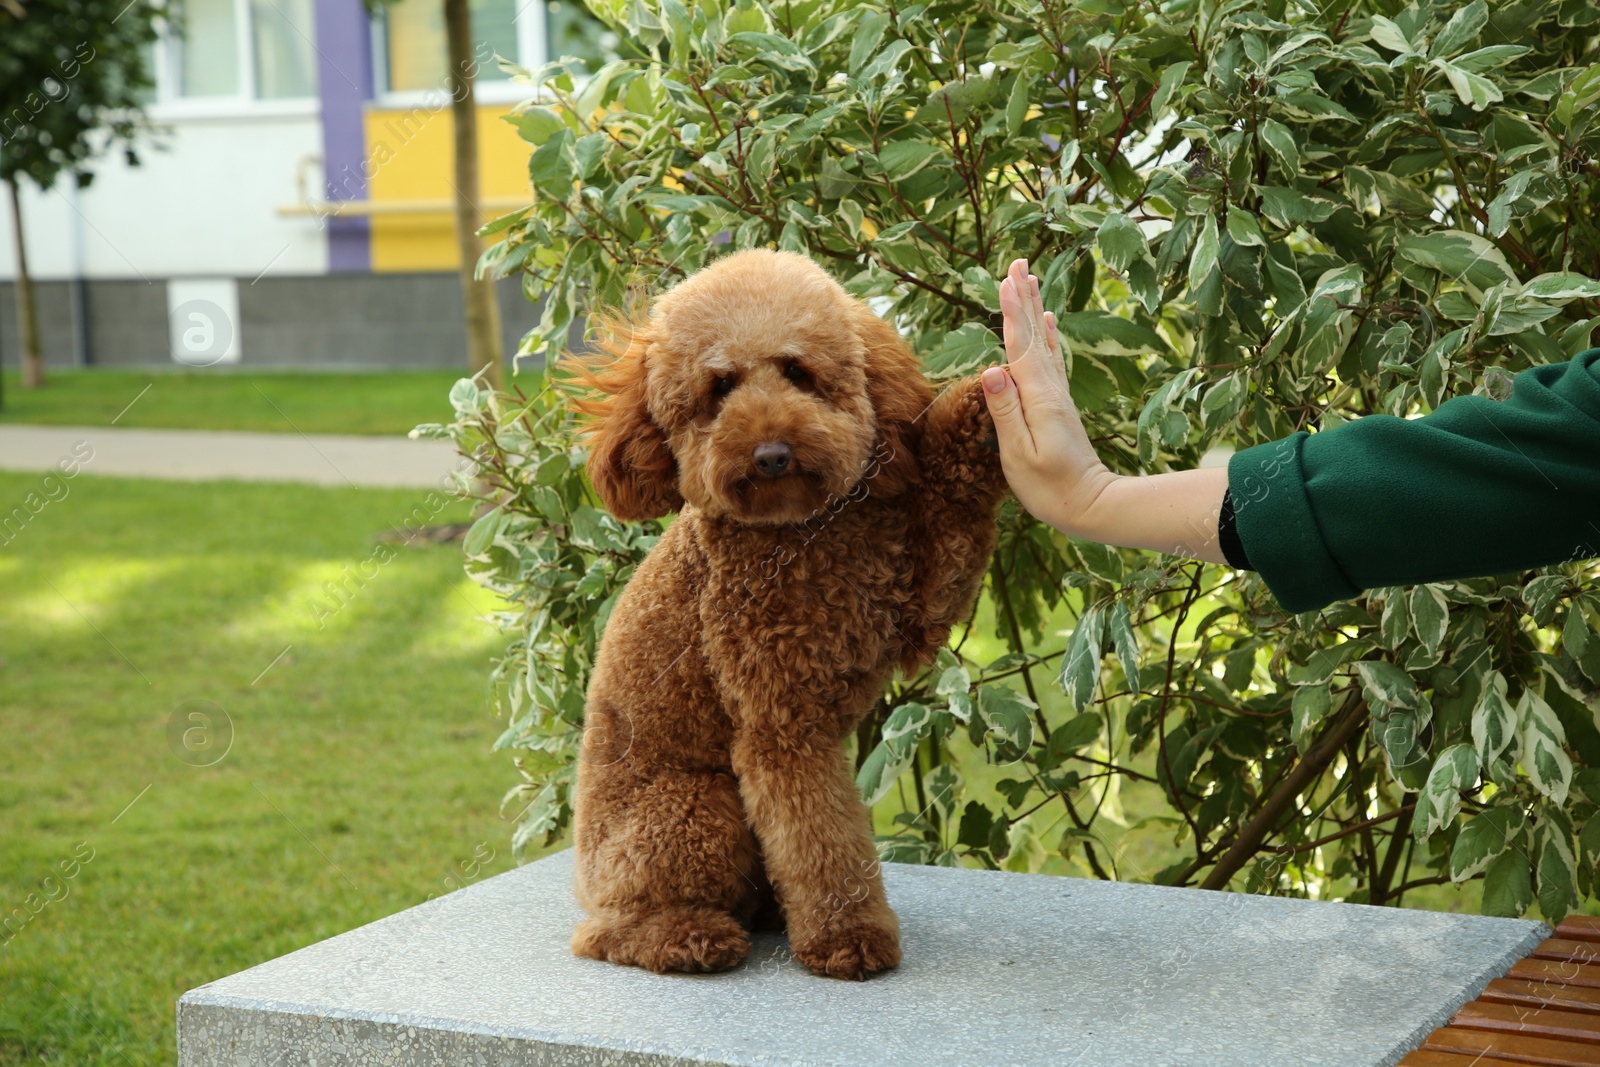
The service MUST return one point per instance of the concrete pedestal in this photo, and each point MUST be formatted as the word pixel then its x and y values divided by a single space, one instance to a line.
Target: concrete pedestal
pixel 999 969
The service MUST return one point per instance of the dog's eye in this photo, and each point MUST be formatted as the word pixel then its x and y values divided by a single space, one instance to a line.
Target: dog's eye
pixel 722 386
pixel 797 374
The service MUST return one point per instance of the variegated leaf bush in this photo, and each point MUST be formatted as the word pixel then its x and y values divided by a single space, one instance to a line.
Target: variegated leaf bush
pixel 1252 218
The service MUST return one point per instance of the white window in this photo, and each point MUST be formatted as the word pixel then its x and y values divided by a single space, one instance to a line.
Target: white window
pixel 409 43
pixel 238 50
pixel 413 42
pixel 285 61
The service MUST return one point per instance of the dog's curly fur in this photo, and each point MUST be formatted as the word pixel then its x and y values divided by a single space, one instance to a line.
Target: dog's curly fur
pixel 713 795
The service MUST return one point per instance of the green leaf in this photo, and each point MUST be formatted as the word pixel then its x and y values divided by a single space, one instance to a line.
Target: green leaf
pixel 1080 663
pixel 1455 769
pixel 809 129
pixel 885 60
pixel 1102 561
pixel 1542 595
pixel 902 159
pixel 1125 643
pixel 1288 208
pixel 1575 635
pixel 1223 400
pixel 770 48
pixel 868 32
pixel 678 26
pixel 1462 29
pixel 1465 257
pixel 1309 707
pixel 1103 334
pixel 1508 885
pixel 1494 721
pixel 1075 733
pixel 968 346
pixel 881 769
pixel 589 152
pixel 467 399
pixel 953 679
pixel 535 124
pixel 1244 229
pixel 1017 104
pixel 1494 57
pixel 1390 36
pixel 1385 684
pixel 1557 870
pixel 1394 625
pixel 1562 288
pixel 953 101
pixel 482 532
pixel 1581 94
pixel 1171 79
pixel 1589 842
pixel 944 787
pixel 1484 836
pixel 977 823
pixel 1473 89
pixel 1008 715
pixel 1544 740
pixel 1430 616
pixel 905 728
pixel 1203 261
pixel 1321 664
pixel 748 18
pixel 1121 242
pixel 1280 142
pixel 551 167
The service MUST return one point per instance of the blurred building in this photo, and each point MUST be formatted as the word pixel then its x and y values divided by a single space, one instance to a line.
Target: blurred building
pixel 293 205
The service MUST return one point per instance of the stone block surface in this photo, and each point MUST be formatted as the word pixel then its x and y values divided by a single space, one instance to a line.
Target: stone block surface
pixel 1000 969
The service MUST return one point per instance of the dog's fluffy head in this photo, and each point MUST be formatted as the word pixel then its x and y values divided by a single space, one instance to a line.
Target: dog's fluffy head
pixel 757 389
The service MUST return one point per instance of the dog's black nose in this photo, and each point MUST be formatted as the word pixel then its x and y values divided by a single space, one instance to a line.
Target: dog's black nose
pixel 772 458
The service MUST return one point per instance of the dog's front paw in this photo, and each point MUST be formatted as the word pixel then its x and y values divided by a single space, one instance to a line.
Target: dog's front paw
pixel 854 949
pixel 689 940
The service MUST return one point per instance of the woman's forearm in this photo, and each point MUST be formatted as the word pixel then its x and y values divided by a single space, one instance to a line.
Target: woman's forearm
pixel 1175 513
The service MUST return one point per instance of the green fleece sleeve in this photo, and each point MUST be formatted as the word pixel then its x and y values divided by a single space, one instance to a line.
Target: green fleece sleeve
pixel 1477 487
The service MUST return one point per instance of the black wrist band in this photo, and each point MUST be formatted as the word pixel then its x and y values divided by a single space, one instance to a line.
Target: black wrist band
pixel 1228 535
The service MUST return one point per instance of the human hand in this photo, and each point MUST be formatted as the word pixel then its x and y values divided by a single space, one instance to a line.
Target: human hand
pixel 1048 460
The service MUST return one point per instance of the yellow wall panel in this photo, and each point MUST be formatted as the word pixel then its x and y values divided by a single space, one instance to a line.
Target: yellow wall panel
pixel 408 157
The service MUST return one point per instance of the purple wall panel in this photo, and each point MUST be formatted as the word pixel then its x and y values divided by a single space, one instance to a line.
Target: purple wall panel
pixel 344 83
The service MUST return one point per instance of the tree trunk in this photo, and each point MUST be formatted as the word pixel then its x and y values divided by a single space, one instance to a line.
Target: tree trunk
pixel 27 309
pixel 478 297
pixel 1270 814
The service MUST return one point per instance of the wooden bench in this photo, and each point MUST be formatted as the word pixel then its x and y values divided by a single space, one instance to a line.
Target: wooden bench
pixel 1545 1010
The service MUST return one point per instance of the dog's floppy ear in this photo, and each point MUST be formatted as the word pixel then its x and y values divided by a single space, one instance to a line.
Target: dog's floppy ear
pixel 900 399
pixel 629 464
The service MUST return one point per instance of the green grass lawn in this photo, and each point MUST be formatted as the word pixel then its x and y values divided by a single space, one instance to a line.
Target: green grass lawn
pixel 359 778
pixel 378 403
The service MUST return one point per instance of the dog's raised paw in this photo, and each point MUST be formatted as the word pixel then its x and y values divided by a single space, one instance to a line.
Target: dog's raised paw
pixel 854 953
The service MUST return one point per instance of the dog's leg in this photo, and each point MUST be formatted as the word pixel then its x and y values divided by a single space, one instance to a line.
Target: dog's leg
pixel 953 515
pixel 816 839
pixel 667 870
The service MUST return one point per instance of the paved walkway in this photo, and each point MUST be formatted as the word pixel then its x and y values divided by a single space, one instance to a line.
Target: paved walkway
pixel 210 455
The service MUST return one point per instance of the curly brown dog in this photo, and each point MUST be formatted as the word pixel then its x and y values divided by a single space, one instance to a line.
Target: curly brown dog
pixel 835 520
